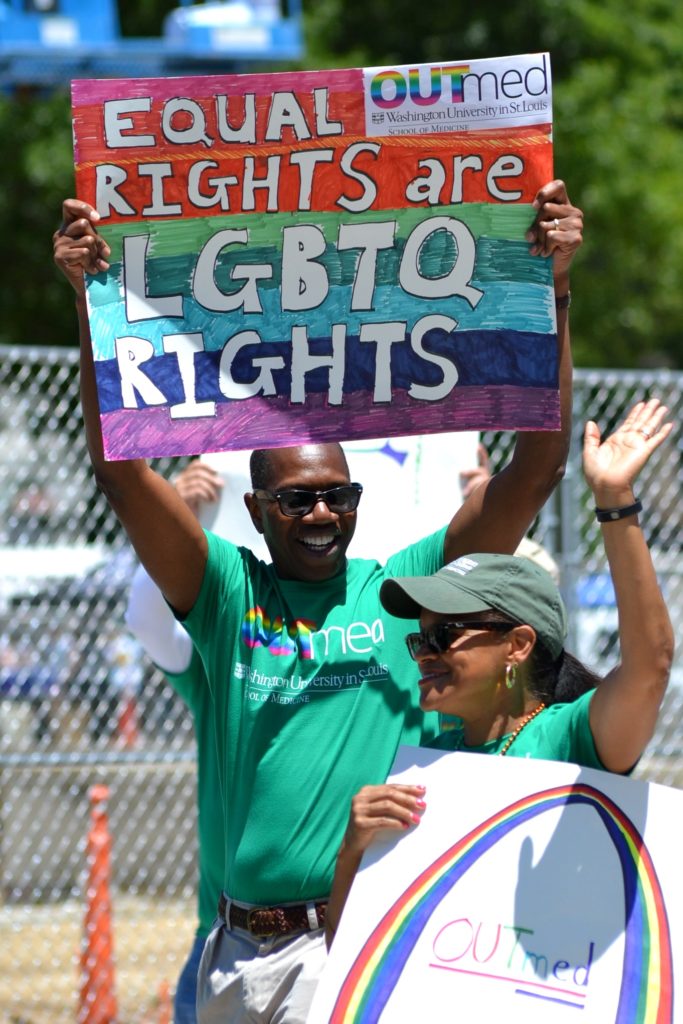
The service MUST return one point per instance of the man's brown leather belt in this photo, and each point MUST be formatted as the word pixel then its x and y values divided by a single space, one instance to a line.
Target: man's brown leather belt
pixel 264 922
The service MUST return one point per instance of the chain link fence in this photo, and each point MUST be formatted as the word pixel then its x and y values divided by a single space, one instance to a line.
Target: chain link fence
pixel 80 704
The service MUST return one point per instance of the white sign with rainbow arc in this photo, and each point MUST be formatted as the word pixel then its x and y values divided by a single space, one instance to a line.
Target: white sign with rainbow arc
pixel 530 890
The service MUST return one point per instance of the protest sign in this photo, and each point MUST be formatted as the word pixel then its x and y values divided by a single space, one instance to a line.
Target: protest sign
pixel 530 890
pixel 315 255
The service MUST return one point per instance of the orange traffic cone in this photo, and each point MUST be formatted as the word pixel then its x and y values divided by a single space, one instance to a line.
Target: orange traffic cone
pixel 97 1004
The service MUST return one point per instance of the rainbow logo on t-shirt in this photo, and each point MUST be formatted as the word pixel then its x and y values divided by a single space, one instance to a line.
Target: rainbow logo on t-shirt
pixel 646 993
pixel 281 639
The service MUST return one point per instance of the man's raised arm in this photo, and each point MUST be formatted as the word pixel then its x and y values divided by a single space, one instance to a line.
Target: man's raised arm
pixel 169 541
pixel 500 511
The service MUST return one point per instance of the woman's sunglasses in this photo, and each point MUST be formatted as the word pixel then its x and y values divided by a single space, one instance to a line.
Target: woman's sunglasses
pixel 294 502
pixel 437 639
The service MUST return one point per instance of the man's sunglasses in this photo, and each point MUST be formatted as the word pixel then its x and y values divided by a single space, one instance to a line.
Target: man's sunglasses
pixel 437 639
pixel 293 502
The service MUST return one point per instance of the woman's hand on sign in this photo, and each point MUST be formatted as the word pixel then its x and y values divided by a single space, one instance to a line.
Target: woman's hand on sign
pixel 374 808
pixel 77 247
pixel 557 229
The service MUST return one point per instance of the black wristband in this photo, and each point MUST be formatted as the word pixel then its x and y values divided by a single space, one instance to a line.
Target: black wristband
pixel 563 301
pixel 610 515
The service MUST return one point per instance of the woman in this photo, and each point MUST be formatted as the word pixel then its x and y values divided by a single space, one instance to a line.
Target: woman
pixel 491 650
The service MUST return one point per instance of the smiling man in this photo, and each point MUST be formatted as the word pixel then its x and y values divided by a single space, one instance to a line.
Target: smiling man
pixel 311 684
pixel 301 503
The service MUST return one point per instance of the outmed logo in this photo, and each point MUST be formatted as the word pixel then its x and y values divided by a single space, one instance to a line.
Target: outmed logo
pixel 456 83
pixel 389 88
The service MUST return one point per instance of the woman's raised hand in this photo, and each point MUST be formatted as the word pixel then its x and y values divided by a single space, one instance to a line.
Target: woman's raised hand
pixel 612 465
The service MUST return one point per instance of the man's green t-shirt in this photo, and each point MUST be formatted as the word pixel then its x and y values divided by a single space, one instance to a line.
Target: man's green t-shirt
pixel 559 733
pixel 314 691
pixel 191 685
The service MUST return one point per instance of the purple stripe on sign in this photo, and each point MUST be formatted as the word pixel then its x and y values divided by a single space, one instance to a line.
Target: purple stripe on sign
pixel 549 999
pixel 150 432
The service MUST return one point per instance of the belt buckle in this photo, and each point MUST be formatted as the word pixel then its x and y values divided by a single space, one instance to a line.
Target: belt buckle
pixel 251 927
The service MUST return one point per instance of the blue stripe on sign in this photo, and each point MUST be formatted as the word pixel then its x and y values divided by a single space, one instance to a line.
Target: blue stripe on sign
pixel 481 357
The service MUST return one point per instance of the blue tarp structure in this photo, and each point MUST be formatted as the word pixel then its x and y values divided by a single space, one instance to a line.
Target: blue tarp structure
pixel 47 43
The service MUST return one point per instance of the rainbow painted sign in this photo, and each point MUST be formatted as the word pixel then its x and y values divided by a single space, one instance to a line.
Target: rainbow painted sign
pixel 305 256
pixel 440 944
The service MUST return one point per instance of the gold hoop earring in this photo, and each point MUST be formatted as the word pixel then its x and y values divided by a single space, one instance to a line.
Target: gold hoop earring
pixel 510 675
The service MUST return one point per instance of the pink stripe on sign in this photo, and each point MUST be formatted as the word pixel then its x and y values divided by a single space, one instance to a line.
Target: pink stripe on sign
pixel 85 92
pixel 147 433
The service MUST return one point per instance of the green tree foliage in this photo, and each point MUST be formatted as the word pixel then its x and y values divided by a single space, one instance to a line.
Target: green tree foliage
pixel 36 173
pixel 618 98
pixel 144 17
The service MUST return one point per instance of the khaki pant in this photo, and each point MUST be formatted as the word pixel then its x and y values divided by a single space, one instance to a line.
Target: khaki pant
pixel 260 981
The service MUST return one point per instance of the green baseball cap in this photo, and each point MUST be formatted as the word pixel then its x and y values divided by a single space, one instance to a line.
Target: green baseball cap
pixel 515 586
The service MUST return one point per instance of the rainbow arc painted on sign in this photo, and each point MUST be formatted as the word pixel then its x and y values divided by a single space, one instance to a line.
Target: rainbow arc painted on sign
pixel 646 994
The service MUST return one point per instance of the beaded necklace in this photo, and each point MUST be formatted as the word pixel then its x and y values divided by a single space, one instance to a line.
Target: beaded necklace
pixel 525 721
